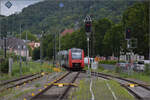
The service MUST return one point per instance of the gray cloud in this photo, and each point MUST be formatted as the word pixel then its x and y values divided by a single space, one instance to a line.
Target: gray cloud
pixel 17 6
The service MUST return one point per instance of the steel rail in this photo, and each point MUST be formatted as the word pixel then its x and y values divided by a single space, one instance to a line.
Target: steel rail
pixel 17 79
pixel 125 86
pixel 135 95
pixel 21 83
pixel 131 81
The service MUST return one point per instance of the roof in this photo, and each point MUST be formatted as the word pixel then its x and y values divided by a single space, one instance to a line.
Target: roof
pixel 67 31
pixel 13 42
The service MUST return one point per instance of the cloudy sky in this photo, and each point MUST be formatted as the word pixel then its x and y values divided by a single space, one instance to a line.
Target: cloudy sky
pixel 17 6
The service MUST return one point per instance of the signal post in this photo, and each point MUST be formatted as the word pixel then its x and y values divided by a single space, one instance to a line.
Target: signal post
pixel 88 22
pixel 131 43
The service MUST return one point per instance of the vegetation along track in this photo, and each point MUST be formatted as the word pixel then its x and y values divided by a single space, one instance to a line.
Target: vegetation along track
pixel 140 91
pixel 19 81
pixel 52 91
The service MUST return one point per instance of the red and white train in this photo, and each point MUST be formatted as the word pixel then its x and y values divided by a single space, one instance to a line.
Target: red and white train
pixel 72 58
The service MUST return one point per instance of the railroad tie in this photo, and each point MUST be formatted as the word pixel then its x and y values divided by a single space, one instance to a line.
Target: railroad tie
pixel 65 84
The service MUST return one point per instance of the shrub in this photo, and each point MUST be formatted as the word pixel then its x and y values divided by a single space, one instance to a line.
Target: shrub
pixel 147 69
pixel 101 68
pixel 112 62
pixel 117 69
pixel 36 54
pixel 4 64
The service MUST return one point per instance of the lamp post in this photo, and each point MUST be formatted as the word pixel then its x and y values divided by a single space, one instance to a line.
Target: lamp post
pixel 41 55
pixel 26 49
pixel 61 5
pixel 88 22
pixel 54 50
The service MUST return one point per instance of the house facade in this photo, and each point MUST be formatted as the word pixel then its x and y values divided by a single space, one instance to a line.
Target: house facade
pixel 34 45
pixel 15 45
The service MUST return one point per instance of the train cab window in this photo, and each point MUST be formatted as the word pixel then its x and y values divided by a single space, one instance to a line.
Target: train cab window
pixel 76 55
pixel 141 62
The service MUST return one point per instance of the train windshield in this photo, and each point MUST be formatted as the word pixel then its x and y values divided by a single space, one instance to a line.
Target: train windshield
pixel 76 55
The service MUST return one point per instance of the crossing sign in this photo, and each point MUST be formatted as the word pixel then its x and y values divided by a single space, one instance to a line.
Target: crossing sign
pixel 8 4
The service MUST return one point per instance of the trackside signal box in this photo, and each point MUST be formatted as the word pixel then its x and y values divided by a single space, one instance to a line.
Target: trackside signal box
pixel 128 33
pixel 88 26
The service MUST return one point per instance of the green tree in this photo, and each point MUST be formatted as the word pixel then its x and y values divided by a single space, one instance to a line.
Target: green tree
pixel 30 36
pixel 100 28
pixel 47 45
pixel 47 14
pixel 113 40
pixel 36 54
pixel 75 40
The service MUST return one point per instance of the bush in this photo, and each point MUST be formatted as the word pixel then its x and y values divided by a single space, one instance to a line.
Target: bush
pixel 101 68
pixel 111 62
pixel 117 69
pixel 4 64
pixel 147 69
pixel 36 54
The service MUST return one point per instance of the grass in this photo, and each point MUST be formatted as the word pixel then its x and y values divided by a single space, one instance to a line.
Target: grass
pixel 6 92
pixel 37 85
pixel 120 92
pixel 100 90
pixel 22 93
pixel 14 94
pixel 31 68
pixel 82 92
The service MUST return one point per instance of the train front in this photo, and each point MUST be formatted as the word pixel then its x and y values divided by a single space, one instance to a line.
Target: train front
pixel 76 58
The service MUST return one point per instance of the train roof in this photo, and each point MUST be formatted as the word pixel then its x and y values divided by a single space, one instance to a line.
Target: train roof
pixel 75 49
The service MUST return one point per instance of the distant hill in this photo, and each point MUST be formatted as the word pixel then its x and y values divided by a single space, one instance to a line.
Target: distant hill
pixel 48 16
pixel 2 16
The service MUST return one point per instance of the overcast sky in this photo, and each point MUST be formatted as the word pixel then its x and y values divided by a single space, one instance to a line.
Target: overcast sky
pixel 17 6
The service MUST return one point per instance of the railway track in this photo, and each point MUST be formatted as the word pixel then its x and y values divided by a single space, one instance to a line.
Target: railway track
pixel 140 91
pixel 19 81
pixel 52 91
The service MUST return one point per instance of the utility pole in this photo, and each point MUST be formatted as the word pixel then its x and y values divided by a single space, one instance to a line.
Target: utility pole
pixel 59 51
pixel 54 49
pixel 20 46
pixel 59 41
pixel 87 22
pixel 149 32
pixel 61 5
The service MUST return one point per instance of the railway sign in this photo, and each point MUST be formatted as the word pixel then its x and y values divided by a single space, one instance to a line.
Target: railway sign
pixel 94 65
pixel 8 4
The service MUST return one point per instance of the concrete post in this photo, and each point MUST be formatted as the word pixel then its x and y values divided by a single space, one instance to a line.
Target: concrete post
pixel 10 66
